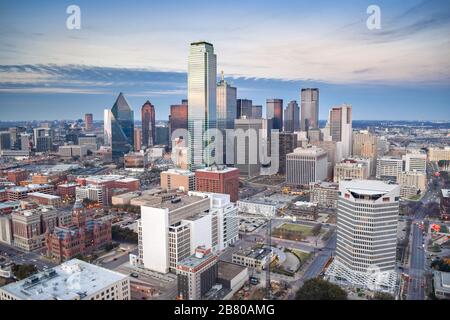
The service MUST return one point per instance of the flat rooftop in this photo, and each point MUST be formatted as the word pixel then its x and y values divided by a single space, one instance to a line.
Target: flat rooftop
pixel 217 169
pixel 228 270
pixel 74 279
pixel 44 195
pixel 193 261
pixel 368 187
pixel 446 193
pixel 178 201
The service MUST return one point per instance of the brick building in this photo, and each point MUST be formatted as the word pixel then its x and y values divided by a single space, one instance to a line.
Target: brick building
pixel 218 179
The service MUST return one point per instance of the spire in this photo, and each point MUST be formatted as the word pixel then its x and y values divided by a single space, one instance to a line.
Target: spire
pixel 221 75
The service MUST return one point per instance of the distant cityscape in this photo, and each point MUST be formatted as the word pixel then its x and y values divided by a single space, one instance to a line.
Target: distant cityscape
pixel 223 202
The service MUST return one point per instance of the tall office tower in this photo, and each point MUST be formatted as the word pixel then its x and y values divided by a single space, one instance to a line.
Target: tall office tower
pixel 246 151
pixel 162 135
pixel 88 122
pixel 416 161
pixel 366 234
pixel 287 143
pixel 244 108
pixel 291 117
pixel 340 128
pixel 218 179
pixel 304 166
pixel 226 110
pixel 226 105
pixel 365 144
pixel 178 118
pixel 43 139
pixel 15 133
pixel 119 128
pixel 256 112
pixel 202 100
pixel 5 140
pixel 310 109
pixel 137 139
pixel 148 124
pixel 274 111
pixel 26 142
pixel 389 168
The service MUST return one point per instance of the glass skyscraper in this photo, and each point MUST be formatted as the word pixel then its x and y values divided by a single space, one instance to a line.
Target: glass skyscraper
pixel 291 117
pixel 310 109
pixel 226 110
pixel 119 128
pixel 275 112
pixel 202 77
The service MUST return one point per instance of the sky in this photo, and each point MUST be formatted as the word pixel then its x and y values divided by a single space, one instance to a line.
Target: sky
pixel 267 49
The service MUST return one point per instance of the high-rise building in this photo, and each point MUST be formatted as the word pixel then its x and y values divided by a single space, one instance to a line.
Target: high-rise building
pixel 176 179
pixel 416 161
pixel 325 194
pixel 43 139
pixel 389 168
pixel 202 76
pixel 138 139
pixel 178 118
pixel 26 142
pixel 218 179
pixel 148 124
pixel 88 122
pixel 309 109
pixel 244 109
pixel 351 169
pixel 340 128
pixel 366 234
pixel 226 111
pixel 287 143
pixel 119 128
pixel 15 134
pixel 256 112
pixel 291 117
pixel 411 183
pixel 274 110
pixel 5 140
pixel 304 166
pixel 162 135
pixel 247 150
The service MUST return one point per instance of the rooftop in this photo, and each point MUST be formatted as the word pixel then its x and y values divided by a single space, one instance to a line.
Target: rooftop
pixel 217 169
pixel 74 279
pixel 228 270
pixel 178 201
pixel 44 195
pixel 446 193
pixel 368 187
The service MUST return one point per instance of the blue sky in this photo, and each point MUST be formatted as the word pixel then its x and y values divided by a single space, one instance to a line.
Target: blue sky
pixel 267 49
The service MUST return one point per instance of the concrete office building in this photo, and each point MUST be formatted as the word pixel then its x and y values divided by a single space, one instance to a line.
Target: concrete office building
pixel 366 235
pixel 389 168
pixel 197 274
pixel 177 179
pixel 340 128
pixel 416 161
pixel 246 151
pixel 325 194
pixel 350 169
pixel 436 154
pixel 304 166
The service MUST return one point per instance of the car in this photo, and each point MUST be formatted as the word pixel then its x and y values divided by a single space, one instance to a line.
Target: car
pixel 134 275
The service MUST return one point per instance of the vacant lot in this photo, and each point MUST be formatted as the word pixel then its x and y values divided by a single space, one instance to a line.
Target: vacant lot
pixel 304 230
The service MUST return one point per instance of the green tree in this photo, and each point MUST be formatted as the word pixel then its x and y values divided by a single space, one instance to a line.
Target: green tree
pixel 318 289
pixel 22 271
pixel 383 296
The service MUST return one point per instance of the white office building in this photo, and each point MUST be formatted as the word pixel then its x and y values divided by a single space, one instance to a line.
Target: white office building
pixel 366 235
pixel 72 280
pixel 304 166
pixel 389 168
pixel 416 161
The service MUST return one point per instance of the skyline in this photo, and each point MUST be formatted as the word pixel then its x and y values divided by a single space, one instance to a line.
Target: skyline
pixel 400 72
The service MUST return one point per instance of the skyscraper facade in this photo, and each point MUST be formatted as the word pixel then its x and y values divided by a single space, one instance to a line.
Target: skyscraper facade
pixel 366 234
pixel 148 124
pixel 244 108
pixel 291 117
pixel 226 110
pixel 340 128
pixel 88 122
pixel 119 128
pixel 178 118
pixel 275 112
pixel 309 109
pixel 202 99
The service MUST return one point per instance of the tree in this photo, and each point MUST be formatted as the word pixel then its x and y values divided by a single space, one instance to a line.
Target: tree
pixel 383 296
pixel 22 271
pixel 318 289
